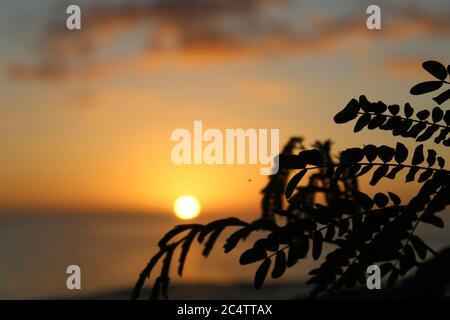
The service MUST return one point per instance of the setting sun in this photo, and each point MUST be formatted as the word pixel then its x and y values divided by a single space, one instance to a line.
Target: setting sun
pixel 187 207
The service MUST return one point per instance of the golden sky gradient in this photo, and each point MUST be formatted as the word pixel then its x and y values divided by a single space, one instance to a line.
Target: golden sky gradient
pixel 86 116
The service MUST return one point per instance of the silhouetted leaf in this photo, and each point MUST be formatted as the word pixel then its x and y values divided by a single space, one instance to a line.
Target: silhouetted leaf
pixel 219 224
pixel 428 133
pixel 411 174
pixel 379 173
pixel 415 130
pixel 365 170
pixel 352 155
pixel 146 274
pixel 385 153
pixel 324 214
pixel 349 113
pixel 330 232
pixel 317 245
pixel 357 221
pixel 425 175
pixel 446 142
pixel 267 244
pixel 313 157
pixel 283 235
pixel 261 273
pixel 394 109
pixel 439 201
pixel 316 271
pixel 292 255
pixel 433 220
pixel 379 107
pixel 418 156
pixel 441 98
pixel 165 287
pixel 447 115
pixel 357 273
pixel 283 213
pixel 237 236
pixel 363 199
pixel 391 123
pixel 425 87
pixel 291 161
pixel 394 171
pixel 156 289
pixel 353 170
pixel 252 255
pixel 409 111
pixel 436 69
pixel 394 198
pixel 431 158
pixel 438 114
pixel 364 103
pixel 409 253
pixel 306 224
pixel 280 265
pixel 211 241
pixel 362 122
pixel 174 232
pixel 318 290
pixel 376 121
pixel 385 268
pixel 344 224
pixel 381 200
pixel 304 247
pixel 420 246
pixel 401 126
pixel 392 278
pixel 185 248
pixel 164 277
pixel 401 152
pixel 442 135
pixel 371 152
pixel 422 115
pixel 316 280
pixel 294 182
pixel 441 162
pixel 337 175
pixel 297 250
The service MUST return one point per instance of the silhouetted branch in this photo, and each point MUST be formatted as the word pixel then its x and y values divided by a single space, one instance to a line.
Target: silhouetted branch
pixel 362 229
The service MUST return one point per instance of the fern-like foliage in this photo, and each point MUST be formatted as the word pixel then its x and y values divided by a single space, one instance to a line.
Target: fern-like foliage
pixel 360 230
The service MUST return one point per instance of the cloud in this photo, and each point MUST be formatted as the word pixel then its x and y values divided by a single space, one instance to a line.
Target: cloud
pixel 405 65
pixel 198 32
pixel 409 66
pixel 188 22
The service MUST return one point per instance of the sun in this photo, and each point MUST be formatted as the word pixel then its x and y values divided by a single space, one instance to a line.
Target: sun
pixel 186 207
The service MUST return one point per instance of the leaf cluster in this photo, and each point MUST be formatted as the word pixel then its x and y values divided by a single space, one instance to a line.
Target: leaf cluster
pixel 358 229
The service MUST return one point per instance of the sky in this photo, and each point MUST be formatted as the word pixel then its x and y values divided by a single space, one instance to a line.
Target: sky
pixel 86 116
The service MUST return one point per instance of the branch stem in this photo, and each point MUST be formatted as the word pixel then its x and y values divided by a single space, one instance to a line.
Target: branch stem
pixel 404 118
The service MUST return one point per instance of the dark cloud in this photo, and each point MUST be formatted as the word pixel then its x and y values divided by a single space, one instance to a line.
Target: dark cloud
pixel 194 30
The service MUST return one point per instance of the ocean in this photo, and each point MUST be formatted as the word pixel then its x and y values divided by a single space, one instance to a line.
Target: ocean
pixel 112 249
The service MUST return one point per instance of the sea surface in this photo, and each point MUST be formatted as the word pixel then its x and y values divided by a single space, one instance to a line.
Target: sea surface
pixel 112 249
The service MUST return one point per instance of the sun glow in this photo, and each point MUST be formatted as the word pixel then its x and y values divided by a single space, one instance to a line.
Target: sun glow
pixel 186 207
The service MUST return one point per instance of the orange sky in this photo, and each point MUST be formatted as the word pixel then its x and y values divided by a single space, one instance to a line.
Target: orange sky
pixel 86 118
